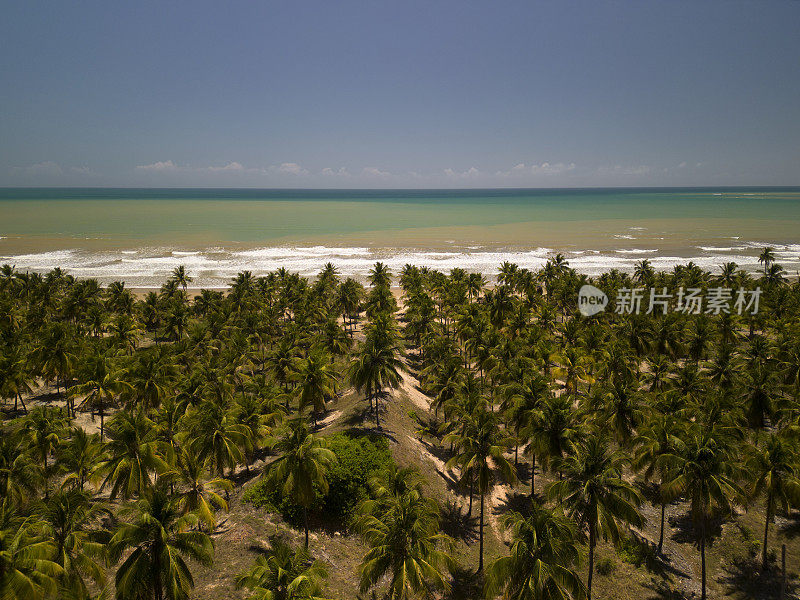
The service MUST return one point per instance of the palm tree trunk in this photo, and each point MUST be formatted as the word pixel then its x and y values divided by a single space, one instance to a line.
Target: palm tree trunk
pixel 102 417
pixel 533 474
pixel 471 487
pixel 661 535
pixel 703 560
pixel 305 523
pixel 480 534
pixel 157 588
pixel 591 562
pixel 46 478
pixel 766 532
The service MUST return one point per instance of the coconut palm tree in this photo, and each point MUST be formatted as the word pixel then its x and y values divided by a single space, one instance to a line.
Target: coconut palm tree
pixel 773 469
pixel 658 438
pixel 315 377
pixel 282 361
pixel 180 277
pixel 643 272
pixel 133 455
pixel 28 570
pixel 156 541
pixel 596 495
pixel 103 384
pixel 67 520
pixel 555 431
pixel 376 366
pixel 151 377
pixel 80 455
pixel 703 470
pixel 256 415
pixel 541 560
pixel 479 451
pixel 380 275
pixel 197 490
pixel 18 476
pixel 283 574
pixel 16 374
pixel 406 546
pixel 348 298
pixel 727 276
pixel 213 432
pixel 767 257
pixel 44 427
pixel 124 333
pixel 55 353
pixel 302 466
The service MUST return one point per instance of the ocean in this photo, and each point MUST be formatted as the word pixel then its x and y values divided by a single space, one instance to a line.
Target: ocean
pixel 140 235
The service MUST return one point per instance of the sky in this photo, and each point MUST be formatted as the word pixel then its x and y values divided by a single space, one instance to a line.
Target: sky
pixel 403 94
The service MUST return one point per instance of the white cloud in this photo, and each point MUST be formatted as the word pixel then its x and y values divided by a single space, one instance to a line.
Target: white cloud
pixel 340 172
pixel 374 172
pixel 166 165
pixel 545 168
pixel 551 169
pixel 292 169
pixel 468 174
pixel 230 167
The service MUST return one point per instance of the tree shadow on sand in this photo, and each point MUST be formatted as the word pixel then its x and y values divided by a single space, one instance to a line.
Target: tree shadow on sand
pixel 465 584
pixel 361 421
pixel 455 522
pixel 790 527
pixel 516 502
pixel 662 591
pixel 686 532
pixel 641 552
pixel 523 472
pixel 744 580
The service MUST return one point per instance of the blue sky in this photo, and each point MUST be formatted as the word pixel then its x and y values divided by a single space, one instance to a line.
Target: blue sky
pixel 400 94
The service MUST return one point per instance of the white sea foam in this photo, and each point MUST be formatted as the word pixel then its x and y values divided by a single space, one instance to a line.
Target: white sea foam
pixel 215 267
pixel 721 248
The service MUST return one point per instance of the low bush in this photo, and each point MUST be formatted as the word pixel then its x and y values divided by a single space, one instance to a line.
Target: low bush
pixel 359 458
pixel 751 543
pixel 605 566
pixel 637 552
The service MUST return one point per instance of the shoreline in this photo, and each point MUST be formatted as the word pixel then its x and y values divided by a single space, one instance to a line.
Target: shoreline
pixel 148 268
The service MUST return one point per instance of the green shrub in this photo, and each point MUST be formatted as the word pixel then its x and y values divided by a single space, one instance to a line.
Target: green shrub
pixel 359 458
pixel 605 566
pixel 637 552
pixel 751 543
pixel 263 495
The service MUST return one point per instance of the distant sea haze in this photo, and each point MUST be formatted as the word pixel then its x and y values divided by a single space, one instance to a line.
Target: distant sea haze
pixel 141 235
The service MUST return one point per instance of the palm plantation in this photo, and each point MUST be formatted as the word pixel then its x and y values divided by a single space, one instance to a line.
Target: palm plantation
pixel 134 427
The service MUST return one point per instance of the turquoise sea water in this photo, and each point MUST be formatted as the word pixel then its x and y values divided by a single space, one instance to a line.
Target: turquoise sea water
pixel 140 234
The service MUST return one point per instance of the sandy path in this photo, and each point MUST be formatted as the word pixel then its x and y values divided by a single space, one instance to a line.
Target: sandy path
pixel 409 385
pixel 329 419
pixel 498 494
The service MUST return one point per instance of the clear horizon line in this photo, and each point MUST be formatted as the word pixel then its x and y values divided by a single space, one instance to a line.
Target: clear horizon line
pixel 395 189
